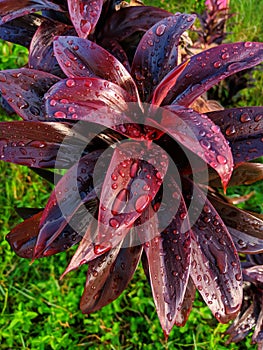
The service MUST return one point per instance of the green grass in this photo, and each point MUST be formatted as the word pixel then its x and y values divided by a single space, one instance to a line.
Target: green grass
pixel 40 312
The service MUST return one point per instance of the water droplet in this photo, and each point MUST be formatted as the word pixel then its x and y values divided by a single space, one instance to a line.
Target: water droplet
pixel 102 248
pixel 53 103
pixel 215 129
pixel 59 114
pixel 238 276
pixel 205 144
pixel 134 169
pixel 120 202
pixel 225 56
pixel 70 83
pixel 142 203
pixel 258 117
pixel 217 64
pixel 230 130
pixel 221 159
pixel 169 317
pixel 160 29
pixel 245 117
pixel 34 110
pixel 248 44
pixel 114 223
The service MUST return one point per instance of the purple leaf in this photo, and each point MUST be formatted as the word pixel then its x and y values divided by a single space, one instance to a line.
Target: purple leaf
pixel 37 144
pixel 243 128
pixel 117 51
pixel 243 174
pixel 91 99
pixel 168 257
pixel 130 20
pixel 199 134
pixel 157 52
pixel 83 58
pixel 84 15
pixel 244 227
pixel 41 54
pixel 130 184
pixel 215 266
pixel 207 68
pixel 185 309
pixel 108 276
pixel 13 9
pixel 162 89
pixel 71 192
pixel 24 89
pixel 22 238
pixel 20 30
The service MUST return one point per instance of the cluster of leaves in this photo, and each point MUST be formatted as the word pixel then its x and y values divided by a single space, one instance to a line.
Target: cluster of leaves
pixel 92 64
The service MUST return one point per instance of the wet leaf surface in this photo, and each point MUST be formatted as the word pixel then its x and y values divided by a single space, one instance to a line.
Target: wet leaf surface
pixel 199 134
pixel 215 265
pixel 83 58
pixel 24 89
pixel 84 15
pixel 108 276
pixel 41 53
pixel 243 128
pixel 10 10
pixel 157 52
pixel 207 68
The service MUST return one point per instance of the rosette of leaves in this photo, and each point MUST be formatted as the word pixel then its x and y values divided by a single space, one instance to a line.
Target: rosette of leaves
pixel 100 90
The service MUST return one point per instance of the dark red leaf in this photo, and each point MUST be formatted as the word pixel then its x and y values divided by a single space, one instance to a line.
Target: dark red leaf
pixel 26 213
pixel 243 128
pixel 157 52
pixel 168 255
pixel 13 9
pixel 242 325
pixel 130 20
pixel 20 30
pixel 162 89
pixel 83 58
pixel 207 68
pixel 185 309
pixel 70 193
pixel 117 51
pixel 199 134
pixel 244 227
pixel 243 174
pixel 84 15
pixel 108 276
pixel 24 89
pixel 37 144
pixel 23 236
pixel 133 178
pixel 41 53
pixel 215 266
pixel 91 99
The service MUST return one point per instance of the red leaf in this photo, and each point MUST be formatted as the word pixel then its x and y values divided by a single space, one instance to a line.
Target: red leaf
pixel 37 144
pixel 84 15
pixel 13 9
pixel 157 52
pixel 83 58
pixel 199 134
pixel 207 68
pixel 185 309
pixel 41 53
pixel 243 128
pixel 70 193
pixel 129 20
pixel 108 276
pixel 168 257
pixel 91 99
pixel 24 89
pixel 162 89
pixel 21 30
pixel 129 186
pixel 215 267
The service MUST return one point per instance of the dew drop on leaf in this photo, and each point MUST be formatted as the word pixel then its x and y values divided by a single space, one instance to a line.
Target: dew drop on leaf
pixel 160 29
